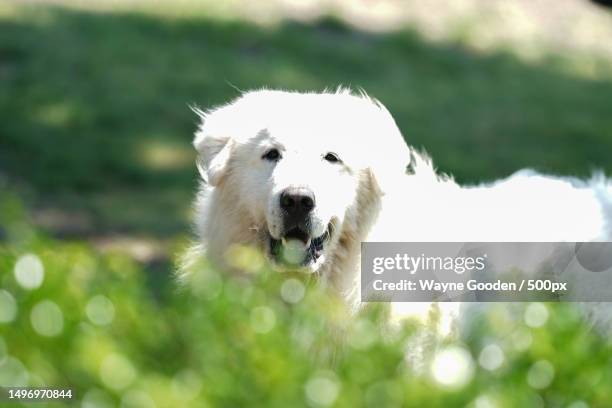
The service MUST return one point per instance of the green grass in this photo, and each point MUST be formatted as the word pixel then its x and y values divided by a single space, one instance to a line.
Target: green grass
pixel 94 106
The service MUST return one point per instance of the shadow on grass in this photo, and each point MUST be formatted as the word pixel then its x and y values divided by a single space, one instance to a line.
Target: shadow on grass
pixel 94 107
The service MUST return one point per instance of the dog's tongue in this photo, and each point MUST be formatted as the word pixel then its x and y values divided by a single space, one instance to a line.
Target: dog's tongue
pixel 294 251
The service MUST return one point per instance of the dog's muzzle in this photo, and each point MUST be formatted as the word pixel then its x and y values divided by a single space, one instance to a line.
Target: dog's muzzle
pixel 297 246
pixel 296 204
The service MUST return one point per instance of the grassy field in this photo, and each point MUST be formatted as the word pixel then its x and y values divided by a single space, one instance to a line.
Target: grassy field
pixel 96 129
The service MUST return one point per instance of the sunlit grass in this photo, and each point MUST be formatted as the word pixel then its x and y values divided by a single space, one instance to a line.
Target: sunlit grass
pixel 57 114
pixel 96 120
pixel 160 155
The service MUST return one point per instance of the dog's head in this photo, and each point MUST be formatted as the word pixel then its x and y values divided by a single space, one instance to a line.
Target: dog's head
pixel 300 167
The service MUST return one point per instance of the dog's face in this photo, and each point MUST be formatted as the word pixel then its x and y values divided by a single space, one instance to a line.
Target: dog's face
pixel 298 189
pixel 299 165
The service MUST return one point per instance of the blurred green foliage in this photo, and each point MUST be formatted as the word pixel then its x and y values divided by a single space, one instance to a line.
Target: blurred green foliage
pixel 94 117
pixel 265 339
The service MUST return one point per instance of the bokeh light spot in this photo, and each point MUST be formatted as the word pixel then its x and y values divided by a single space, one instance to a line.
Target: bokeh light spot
pixel 484 401
pixel 47 318
pixel 536 315
pixel 13 373
pixel 29 271
pixel 294 251
pixel 322 389
pixel 8 307
pixel 292 290
pixel 100 310
pixel 491 357
pixel 263 319
pixel 541 374
pixel 453 367
pixel 117 372
pixel 244 258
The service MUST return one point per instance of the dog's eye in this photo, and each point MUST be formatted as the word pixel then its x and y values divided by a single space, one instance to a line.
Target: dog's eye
pixel 272 155
pixel 332 158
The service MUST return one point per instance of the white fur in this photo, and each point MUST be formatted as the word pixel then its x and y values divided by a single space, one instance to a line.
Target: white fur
pixel 369 197
pixel 525 207
pixel 238 200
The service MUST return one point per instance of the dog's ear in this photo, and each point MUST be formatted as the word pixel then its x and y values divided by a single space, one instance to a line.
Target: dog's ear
pixel 214 145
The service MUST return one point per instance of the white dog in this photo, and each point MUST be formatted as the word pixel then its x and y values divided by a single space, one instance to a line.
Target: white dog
pixel 299 176
pixel 306 177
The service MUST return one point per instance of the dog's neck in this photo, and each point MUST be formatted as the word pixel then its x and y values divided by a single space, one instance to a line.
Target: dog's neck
pixel 345 255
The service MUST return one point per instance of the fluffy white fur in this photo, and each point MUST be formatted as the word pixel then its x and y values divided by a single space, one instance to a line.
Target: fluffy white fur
pixel 237 203
pixel 369 196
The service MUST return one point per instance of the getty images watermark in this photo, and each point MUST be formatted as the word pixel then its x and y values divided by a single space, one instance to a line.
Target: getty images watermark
pixel 486 271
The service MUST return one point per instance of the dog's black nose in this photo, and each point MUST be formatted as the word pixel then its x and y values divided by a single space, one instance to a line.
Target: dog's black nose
pixel 297 202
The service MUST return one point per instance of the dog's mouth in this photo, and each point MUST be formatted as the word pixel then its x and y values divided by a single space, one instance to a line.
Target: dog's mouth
pixel 297 248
